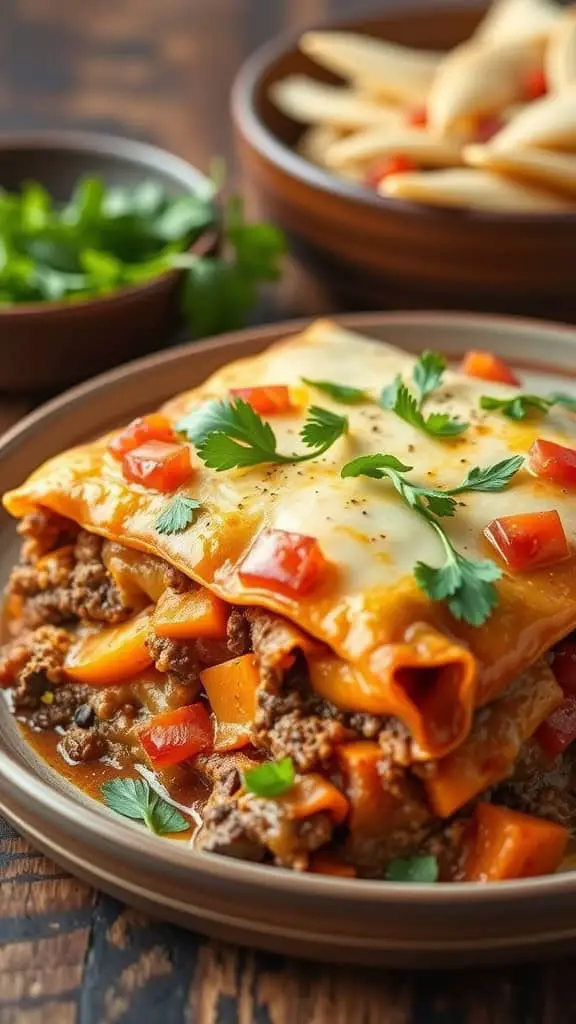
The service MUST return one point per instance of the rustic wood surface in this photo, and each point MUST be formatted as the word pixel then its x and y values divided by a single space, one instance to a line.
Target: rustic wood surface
pixel 161 70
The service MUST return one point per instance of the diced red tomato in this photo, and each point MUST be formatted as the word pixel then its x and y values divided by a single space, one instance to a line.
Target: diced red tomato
pixel 564 665
pixel 553 462
pixel 535 84
pixel 529 540
pixel 146 428
pixel 175 736
pixel 417 117
pixel 390 165
pixel 559 729
pixel 487 366
pixel 487 128
pixel 266 400
pixel 158 465
pixel 287 562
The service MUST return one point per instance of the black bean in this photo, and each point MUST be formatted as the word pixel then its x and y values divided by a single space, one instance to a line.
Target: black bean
pixel 84 716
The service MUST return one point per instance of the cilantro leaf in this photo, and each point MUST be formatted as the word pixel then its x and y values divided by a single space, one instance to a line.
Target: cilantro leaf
pixel 339 392
pixel 466 586
pixel 519 407
pixel 135 798
pixel 270 779
pixel 179 515
pixel 398 399
pixel 379 466
pixel 229 435
pixel 413 869
pixel 491 478
pixel 322 429
pixel 428 372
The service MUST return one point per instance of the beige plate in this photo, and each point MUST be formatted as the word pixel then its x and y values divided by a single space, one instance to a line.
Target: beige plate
pixel 305 915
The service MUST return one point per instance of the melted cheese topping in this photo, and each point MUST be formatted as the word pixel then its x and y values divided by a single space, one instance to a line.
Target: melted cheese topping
pixel 372 539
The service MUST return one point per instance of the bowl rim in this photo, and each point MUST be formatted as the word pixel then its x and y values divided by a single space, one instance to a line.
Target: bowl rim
pixel 255 131
pixel 119 836
pixel 147 155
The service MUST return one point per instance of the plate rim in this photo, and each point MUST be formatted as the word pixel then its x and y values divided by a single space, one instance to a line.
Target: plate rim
pixel 119 837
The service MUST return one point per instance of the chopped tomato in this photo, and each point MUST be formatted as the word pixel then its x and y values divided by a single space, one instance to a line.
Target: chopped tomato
pixel 417 117
pixel 564 665
pixel 288 562
pixel 487 128
pixel 390 165
pixel 266 400
pixel 535 84
pixel 559 729
pixel 487 366
pixel 529 540
pixel 174 736
pixel 553 462
pixel 161 466
pixel 329 863
pixel 146 428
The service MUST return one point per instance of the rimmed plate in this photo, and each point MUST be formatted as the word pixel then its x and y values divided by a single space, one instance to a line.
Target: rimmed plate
pixel 304 915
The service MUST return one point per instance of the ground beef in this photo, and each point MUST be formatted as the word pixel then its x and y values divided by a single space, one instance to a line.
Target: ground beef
pixel 540 787
pixel 32 663
pixel 43 531
pixel 179 658
pixel 64 700
pixel 67 584
pixel 238 633
pixel 252 828
pixel 84 744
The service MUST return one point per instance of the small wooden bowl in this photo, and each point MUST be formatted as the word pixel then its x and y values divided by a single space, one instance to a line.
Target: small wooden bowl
pixel 44 346
pixel 370 252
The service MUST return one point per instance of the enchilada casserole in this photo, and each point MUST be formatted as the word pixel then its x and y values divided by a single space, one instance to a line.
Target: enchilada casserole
pixel 316 613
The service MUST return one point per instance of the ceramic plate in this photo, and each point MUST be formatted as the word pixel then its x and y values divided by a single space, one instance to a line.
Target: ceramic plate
pixel 304 915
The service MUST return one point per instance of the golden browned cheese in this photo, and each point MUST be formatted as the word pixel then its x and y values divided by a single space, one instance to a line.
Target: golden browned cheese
pixel 382 630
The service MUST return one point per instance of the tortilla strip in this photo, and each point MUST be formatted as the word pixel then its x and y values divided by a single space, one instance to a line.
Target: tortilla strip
pixel 304 99
pixel 516 20
pixel 378 143
pixel 378 67
pixel 560 63
pixel 473 81
pixel 472 188
pixel 540 167
pixel 549 123
pixel 498 733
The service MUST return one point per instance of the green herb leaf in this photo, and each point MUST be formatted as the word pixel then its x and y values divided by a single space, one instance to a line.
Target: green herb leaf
pixel 561 398
pixel 322 429
pixel 270 779
pixel 229 435
pixel 339 392
pixel 379 466
pixel 413 869
pixel 428 372
pixel 491 478
pixel 398 399
pixel 179 515
pixel 135 798
pixel 467 587
pixel 519 407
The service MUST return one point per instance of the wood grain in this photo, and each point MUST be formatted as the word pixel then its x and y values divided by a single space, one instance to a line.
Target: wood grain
pixel 162 71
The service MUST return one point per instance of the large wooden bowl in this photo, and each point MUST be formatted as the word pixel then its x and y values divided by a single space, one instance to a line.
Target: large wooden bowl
pixel 371 252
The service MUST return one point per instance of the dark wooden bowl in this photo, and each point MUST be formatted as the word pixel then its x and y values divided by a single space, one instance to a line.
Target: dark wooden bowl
pixel 44 346
pixel 377 253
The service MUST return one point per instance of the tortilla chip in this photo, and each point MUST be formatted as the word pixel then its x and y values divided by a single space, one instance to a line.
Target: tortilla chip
pixel 470 188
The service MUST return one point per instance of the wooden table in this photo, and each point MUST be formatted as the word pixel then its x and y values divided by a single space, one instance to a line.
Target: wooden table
pixel 161 70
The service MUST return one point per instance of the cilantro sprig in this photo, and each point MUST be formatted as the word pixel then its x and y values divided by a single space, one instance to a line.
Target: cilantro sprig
pixel 521 406
pixel 178 516
pixel 270 779
pixel 135 798
pixel 413 869
pixel 426 377
pixel 466 586
pixel 339 392
pixel 230 435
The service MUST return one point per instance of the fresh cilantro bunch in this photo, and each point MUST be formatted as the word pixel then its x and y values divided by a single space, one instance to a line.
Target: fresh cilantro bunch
pixel 104 239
